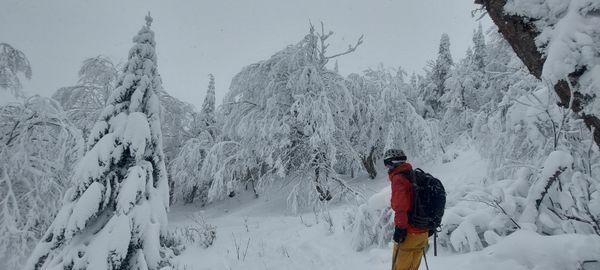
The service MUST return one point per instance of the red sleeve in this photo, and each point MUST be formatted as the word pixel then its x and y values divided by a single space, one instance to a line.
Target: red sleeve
pixel 401 199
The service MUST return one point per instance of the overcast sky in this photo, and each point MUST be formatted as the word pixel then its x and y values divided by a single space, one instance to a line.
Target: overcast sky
pixel 195 38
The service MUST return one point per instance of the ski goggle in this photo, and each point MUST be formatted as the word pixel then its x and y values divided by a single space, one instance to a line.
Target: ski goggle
pixel 391 163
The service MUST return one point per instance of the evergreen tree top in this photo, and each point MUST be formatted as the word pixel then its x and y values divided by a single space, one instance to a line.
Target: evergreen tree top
pixel 148 19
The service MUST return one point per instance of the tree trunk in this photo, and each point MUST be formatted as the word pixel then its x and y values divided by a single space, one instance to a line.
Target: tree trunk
pixel 521 34
pixel 369 164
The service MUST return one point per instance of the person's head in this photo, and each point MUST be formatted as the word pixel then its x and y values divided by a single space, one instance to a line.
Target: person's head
pixel 393 158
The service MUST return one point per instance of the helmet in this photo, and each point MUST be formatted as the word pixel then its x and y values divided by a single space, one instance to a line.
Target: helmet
pixel 393 156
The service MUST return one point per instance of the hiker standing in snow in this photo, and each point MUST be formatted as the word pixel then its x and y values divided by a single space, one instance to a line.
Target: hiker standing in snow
pixel 410 241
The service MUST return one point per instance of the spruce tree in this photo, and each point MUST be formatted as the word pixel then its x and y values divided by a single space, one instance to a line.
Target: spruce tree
pixel 439 73
pixel 207 115
pixel 479 52
pixel 114 216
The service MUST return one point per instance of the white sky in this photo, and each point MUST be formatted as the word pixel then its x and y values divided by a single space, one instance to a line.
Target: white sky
pixel 195 38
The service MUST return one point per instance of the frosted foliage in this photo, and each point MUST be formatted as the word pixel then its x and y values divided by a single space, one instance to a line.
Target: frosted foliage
pixel 541 158
pixel 114 215
pixel 437 76
pixel 399 125
pixel 84 102
pixel 568 31
pixel 38 149
pixel 206 118
pixel 385 116
pixel 177 120
pixel 290 114
pixel 186 168
pixel 98 70
pixel 372 224
pixel 12 63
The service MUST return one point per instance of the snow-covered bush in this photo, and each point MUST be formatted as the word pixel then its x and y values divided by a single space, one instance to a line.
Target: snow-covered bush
pixel 38 150
pixel 200 233
pixel 114 215
pixel 528 250
pixel 372 223
pixel 174 241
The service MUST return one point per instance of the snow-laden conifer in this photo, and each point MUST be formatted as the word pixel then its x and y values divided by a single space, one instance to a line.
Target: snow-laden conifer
pixel 438 74
pixel 114 216
pixel 206 118
pixel 186 167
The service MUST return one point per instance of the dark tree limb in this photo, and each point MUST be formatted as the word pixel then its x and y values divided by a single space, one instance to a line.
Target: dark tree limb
pixel 549 183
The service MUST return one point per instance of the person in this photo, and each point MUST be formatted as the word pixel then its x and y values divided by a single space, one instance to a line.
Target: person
pixel 409 242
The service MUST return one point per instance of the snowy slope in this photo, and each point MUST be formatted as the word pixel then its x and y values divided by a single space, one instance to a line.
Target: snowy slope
pixel 259 234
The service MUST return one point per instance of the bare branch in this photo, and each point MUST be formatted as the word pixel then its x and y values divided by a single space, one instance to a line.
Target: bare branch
pixel 350 49
pixel 549 183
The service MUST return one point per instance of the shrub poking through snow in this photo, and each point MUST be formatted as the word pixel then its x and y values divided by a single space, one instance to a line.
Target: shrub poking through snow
pixel 200 233
pixel 373 222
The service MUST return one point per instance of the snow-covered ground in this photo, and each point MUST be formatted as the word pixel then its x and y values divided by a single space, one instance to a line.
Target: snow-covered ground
pixel 261 234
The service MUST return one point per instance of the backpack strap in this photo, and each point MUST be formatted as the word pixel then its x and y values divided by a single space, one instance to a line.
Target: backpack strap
pixel 410 175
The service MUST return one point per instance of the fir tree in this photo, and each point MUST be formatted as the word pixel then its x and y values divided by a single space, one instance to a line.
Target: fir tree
pixel 439 73
pixel 206 118
pixel 479 52
pixel 115 215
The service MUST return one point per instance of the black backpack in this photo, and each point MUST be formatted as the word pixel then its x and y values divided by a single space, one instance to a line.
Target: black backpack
pixel 429 200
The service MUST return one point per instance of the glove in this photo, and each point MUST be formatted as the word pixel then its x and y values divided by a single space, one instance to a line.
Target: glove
pixel 399 235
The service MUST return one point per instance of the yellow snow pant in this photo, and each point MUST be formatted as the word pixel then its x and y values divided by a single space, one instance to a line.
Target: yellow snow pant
pixel 408 254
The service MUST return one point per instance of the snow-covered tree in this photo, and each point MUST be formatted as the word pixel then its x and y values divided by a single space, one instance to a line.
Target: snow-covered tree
pixel 38 150
pixel 98 70
pixel 289 113
pixel 84 102
pixel 186 169
pixel 555 41
pixel 479 49
pixel 114 216
pixel 12 63
pixel 206 118
pixel 190 183
pixel 177 119
pixel 366 127
pixel 438 74
pixel 466 90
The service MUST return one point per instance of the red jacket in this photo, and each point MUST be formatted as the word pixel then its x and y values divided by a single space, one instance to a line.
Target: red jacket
pixel 402 197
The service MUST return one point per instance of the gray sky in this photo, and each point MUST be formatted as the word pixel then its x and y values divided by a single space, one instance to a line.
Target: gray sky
pixel 195 38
